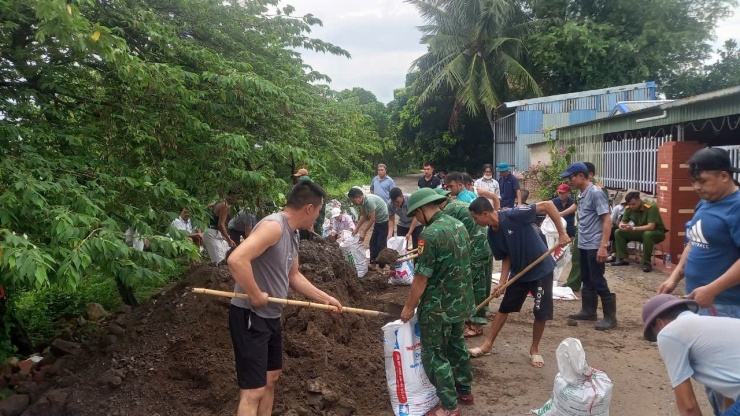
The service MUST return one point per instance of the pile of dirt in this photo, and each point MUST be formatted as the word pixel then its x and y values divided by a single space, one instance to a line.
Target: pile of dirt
pixel 176 355
pixel 387 256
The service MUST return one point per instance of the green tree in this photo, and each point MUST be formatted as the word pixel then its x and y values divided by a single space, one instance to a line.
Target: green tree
pixel 475 49
pixel 116 115
pixel 596 44
pixel 723 73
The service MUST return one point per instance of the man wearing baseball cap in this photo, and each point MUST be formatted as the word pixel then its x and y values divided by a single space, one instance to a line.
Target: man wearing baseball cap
pixel 562 202
pixel 700 347
pixel 511 194
pixel 711 260
pixel 594 227
pixel 443 290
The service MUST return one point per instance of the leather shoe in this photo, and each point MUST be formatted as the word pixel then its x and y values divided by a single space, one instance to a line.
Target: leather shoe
pixel 647 267
pixel 466 399
pixel 620 262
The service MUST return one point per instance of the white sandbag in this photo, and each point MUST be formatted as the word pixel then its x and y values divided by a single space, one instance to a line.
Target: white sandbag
pixel 411 392
pixel 562 255
pixel 579 390
pixel 403 273
pixel 216 245
pixel 354 252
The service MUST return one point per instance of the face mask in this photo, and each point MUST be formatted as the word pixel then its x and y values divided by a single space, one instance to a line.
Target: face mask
pixel 488 177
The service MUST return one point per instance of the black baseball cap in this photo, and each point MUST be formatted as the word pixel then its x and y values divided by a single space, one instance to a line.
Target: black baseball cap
pixel 712 158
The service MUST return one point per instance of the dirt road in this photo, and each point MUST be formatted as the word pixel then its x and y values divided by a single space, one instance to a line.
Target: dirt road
pixel 506 384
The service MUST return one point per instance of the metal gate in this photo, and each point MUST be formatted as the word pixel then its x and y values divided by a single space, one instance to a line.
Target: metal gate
pixel 505 136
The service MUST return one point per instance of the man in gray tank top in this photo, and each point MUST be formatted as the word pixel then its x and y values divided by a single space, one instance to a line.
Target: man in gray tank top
pixel 266 265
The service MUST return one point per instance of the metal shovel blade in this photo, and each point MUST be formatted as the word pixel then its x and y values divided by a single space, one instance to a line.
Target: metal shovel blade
pixel 393 313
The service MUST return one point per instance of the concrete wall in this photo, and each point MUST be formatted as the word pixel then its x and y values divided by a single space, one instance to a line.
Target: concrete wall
pixel 538 153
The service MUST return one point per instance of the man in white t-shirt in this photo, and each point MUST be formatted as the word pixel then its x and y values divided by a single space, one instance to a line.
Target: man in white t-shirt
pixel 182 222
pixel 705 348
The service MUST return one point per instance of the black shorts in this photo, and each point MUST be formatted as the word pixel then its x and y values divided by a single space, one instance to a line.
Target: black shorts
pixel 258 346
pixel 541 290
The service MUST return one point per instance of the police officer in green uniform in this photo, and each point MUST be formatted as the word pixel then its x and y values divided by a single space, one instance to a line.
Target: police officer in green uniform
pixel 648 229
pixel 481 259
pixel 443 290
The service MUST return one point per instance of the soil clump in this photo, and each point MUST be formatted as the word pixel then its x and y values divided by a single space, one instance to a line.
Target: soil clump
pixel 175 354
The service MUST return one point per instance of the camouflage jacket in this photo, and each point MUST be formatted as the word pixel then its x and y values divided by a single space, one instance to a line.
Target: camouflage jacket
pixel 479 248
pixel 445 260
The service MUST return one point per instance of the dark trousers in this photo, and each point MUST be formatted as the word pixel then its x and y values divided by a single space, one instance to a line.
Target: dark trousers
pixel 592 273
pixel 236 235
pixel 401 231
pixel 378 239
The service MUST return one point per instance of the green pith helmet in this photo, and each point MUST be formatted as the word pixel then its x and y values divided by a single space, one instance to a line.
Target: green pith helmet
pixel 422 197
pixel 443 192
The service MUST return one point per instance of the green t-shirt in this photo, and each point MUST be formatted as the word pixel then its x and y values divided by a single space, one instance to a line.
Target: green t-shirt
pixel 479 248
pixel 444 259
pixel 647 214
pixel 375 203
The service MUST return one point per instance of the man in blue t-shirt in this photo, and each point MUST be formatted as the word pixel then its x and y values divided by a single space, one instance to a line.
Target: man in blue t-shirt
pixel 562 202
pixel 456 186
pixel 711 260
pixel 516 242
pixel 382 184
pixel 511 194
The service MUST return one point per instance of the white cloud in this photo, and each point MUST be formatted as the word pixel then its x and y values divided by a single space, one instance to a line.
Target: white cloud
pixel 380 35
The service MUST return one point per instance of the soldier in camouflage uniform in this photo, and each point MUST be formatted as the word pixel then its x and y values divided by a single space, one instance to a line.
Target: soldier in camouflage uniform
pixel 443 290
pixel 481 259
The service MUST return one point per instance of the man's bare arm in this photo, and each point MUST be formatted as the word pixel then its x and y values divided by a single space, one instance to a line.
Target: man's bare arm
pixel 686 399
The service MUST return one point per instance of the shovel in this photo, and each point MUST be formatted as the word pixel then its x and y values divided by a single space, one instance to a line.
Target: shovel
pixel 518 275
pixel 393 313
pixel 391 257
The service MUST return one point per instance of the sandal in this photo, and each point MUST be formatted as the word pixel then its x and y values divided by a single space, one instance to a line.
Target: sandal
pixel 537 361
pixel 477 352
pixel 470 332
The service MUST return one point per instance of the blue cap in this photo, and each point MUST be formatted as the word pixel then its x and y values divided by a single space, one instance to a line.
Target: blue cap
pixel 503 167
pixel 578 167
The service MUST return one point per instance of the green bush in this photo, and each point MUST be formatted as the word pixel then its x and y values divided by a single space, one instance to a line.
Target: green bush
pixel 548 175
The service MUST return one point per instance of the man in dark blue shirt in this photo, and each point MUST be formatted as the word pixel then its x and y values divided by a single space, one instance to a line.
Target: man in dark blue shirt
pixel 562 202
pixel 509 185
pixel 516 242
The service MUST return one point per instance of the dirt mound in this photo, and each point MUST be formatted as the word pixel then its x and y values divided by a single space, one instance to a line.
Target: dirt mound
pixel 387 256
pixel 176 355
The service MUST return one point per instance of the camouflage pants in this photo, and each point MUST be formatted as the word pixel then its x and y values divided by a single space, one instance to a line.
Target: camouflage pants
pixel 481 271
pixel 446 360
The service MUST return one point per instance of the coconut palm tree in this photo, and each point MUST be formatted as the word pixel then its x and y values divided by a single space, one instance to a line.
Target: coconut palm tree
pixel 475 48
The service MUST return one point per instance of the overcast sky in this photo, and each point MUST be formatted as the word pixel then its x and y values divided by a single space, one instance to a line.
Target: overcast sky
pixel 382 37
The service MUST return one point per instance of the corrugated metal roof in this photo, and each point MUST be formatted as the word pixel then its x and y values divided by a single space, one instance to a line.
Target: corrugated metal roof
pixel 623 107
pixel 714 104
pixel 581 94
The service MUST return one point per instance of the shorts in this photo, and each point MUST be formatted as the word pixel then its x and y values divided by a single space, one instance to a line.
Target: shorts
pixel 258 346
pixel 541 290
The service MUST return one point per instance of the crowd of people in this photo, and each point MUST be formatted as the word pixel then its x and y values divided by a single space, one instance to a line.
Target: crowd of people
pixel 459 226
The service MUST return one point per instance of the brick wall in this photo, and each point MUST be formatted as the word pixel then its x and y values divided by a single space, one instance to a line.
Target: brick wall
pixel 676 197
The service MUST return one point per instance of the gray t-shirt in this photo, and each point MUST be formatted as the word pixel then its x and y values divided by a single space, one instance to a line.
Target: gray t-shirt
pixel 705 348
pixel 271 269
pixel 242 221
pixel 402 212
pixel 377 204
pixel 592 204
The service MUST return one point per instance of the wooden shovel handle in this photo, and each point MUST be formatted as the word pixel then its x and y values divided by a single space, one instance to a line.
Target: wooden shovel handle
pixel 406 258
pixel 290 302
pixel 518 275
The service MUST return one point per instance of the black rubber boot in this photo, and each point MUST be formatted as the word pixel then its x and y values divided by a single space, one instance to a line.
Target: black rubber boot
pixel 589 305
pixel 609 305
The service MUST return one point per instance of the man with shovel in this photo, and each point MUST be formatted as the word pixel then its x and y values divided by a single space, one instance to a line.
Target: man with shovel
pixel 263 266
pixel 443 290
pixel 516 242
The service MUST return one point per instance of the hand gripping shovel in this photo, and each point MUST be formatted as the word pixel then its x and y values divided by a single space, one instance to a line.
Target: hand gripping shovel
pixel 518 275
pixel 387 316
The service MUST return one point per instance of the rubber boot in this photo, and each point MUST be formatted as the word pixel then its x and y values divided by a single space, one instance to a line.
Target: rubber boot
pixel 589 305
pixel 609 305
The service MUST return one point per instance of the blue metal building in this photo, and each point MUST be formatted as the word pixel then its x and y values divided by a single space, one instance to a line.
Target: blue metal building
pixel 523 121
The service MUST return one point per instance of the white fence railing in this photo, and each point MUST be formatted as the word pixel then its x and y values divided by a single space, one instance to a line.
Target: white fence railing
pixel 631 163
